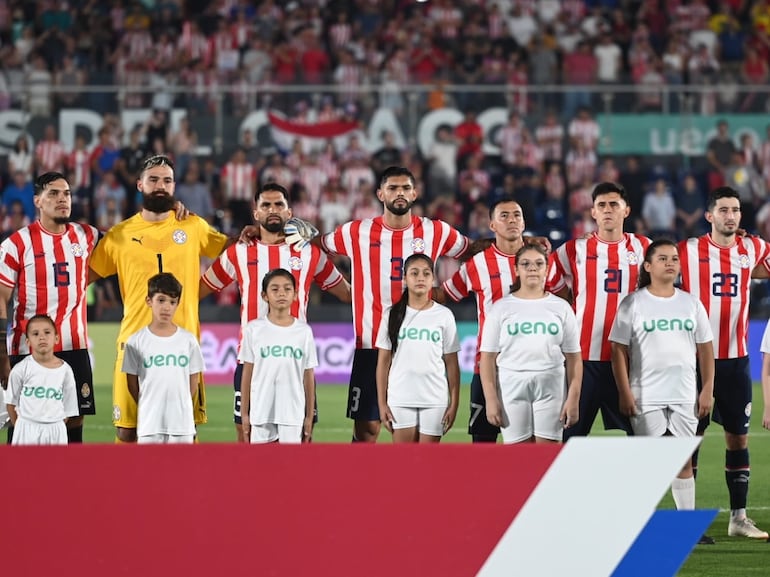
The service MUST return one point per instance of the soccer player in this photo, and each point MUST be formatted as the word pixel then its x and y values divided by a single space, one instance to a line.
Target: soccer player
pixel 44 269
pixel 599 272
pixel 490 275
pixel 163 363
pixel 377 249
pixel 41 389
pixel 279 356
pixel 150 242
pixel 528 336
pixel 247 264
pixel 717 269
pixel 418 374
pixel 655 336
pixel 765 349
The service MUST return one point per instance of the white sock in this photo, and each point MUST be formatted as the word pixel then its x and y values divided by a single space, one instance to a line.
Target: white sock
pixel 683 491
pixel 738 514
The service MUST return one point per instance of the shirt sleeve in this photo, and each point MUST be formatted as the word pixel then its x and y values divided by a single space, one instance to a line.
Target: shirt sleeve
pixel 9 262
pixel 222 271
pixel 490 336
pixel 765 344
pixel 571 342
pixel 454 243
pixel 703 333
pixel 458 286
pixel 246 354
pixel 131 358
pixel 326 274
pixel 197 365
pixel 451 338
pixel 383 340
pixel 311 358
pixel 622 326
pixel 334 242
pixel 103 260
pixel 555 280
pixel 15 382
pixel 71 408
pixel 212 242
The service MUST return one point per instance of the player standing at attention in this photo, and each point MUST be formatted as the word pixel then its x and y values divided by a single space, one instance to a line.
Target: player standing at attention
pixel 418 374
pixel 44 269
pixel 717 269
pixel 41 389
pixel 765 349
pixel 278 354
pixel 163 363
pixel 599 272
pixel 247 264
pixel 150 242
pixel 527 337
pixel 490 275
pixel 657 332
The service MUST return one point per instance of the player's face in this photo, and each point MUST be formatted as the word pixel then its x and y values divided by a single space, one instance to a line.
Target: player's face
pixel 41 336
pixel 163 307
pixel 508 221
pixel 398 194
pixel 419 278
pixel 531 268
pixel 280 294
pixel 272 211
pixel 725 218
pixel 664 264
pixel 609 211
pixel 157 188
pixel 55 202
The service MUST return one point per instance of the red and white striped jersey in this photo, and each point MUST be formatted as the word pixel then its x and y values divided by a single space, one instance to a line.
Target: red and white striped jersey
pixel 600 274
pixel 586 130
pixel 248 264
pixel 139 42
pixel 510 138
pixel 50 156
pixel 377 254
pixel 79 164
pixel 549 138
pixel 49 273
pixel 238 181
pixel 721 278
pixel 489 274
pixel 340 34
pixel 313 178
pixel 581 166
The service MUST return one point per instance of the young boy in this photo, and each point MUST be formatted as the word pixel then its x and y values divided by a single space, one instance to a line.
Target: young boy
pixel 278 382
pixel 163 363
pixel 41 392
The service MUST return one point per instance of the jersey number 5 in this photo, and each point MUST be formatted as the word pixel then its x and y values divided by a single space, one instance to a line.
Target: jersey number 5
pixel 61 276
pixel 613 282
pixel 725 284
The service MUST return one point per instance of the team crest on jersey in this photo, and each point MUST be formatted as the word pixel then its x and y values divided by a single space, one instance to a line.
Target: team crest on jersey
pixel 115 413
pixel 743 260
pixel 632 258
pixel 295 263
pixel 747 410
pixel 85 391
pixel 418 245
pixel 179 236
pixel 77 250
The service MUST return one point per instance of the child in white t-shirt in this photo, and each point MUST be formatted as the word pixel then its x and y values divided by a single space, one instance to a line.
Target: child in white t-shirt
pixel 41 393
pixel 279 357
pixel 418 374
pixel 163 363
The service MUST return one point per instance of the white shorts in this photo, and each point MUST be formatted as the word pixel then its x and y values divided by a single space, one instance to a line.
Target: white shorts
pixel 532 403
pixel 680 420
pixel 270 433
pixel 28 432
pixel 166 439
pixel 428 419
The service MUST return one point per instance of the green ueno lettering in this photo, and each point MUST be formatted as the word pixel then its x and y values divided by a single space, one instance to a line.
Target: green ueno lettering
pixel 166 361
pixel 536 328
pixel 281 351
pixel 415 334
pixel 668 325
pixel 43 393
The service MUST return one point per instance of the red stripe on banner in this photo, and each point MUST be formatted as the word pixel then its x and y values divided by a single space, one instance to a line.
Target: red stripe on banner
pixel 317 130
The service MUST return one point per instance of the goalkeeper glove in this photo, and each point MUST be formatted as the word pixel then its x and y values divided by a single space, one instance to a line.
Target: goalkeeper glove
pixel 299 233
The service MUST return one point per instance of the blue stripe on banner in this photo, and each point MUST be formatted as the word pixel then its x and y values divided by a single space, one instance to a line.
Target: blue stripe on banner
pixel 664 543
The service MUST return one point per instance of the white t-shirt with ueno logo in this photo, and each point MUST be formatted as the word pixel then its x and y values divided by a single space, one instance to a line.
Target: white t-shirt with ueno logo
pixel 530 334
pixel 661 334
pixel 280 356
pixel 417 376
pixel 42 394
pixel 164 366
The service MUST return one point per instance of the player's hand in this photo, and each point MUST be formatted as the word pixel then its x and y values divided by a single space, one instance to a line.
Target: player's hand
pixel 494 412
pixel 627 405
pixel 386 418
pixel 307 429
pixel 539 240
pixel 299 233
pixel 449 418
pixel 705 403
pixel 249 234
pixel 246 428
pixel 766 418
pixel 180 210
pixel 570 412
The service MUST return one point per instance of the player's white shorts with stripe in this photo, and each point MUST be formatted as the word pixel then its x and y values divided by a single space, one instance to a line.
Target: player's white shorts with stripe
pixel 28 432
pixel 166 439
pixel 532 403
pixel 428 419
pixel 270 433
pixel 680 420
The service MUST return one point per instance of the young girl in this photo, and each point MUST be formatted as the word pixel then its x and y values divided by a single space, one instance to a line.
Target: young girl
pixel 526 339
pixel 278 381
pixel 655 336
pixel 418 374
pixel 41 392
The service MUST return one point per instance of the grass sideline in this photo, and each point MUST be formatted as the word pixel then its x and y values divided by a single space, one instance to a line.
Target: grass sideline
pixel 730 556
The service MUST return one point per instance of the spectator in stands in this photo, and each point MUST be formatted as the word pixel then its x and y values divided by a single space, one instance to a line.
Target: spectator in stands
pixel 690 207
pixel 50 154
pixel 579 68
pixel 719 154
pixel 659 211
pixel 15 219
pixel 238 179
pixel 20 189
pixel 194 194
pixel 746 180
pixel 633 181
pixel 21 159
pixel 387 155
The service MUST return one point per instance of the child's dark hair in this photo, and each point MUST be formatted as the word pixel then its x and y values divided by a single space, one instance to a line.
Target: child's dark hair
pixel 538 249
pixel 721 192
pixel 45 179
pixel 276 272
pixel 644 276
pixel 607 188
pixel 164 283
pixel 398 310
pixel 45 318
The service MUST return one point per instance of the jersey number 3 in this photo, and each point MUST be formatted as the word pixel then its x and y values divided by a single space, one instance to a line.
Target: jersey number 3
pixel 724 285
pixel 61 276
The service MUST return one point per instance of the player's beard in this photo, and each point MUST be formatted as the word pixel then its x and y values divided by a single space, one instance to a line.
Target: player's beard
pixel 61 219
pixel 398 210
pixel 158 202
pixel 272 225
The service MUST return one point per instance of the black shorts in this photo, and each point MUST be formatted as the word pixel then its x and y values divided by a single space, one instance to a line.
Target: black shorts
pixel 477 423
pixel 362 394
pixel 237 397
pixel 599 393
pixel 732 396
pixel 84 378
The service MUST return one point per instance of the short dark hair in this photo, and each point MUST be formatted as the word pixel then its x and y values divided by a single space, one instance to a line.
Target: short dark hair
pixel 157 160
pixel 45 179
pixel 164 283
pixel 500 200
pixel 607 188
pixel 274 187
pixel 45 318
pixel 392 171
pixel 278 272
pixel 721 192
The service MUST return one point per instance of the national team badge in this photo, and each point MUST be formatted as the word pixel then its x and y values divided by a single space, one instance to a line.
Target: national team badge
pixel 743 260
pixel 632 258
pixel 115 413
pixel 295 263
pixel 77 250
pixel 85 391
pixel 747 410
pixel 179 236
pixel 418 245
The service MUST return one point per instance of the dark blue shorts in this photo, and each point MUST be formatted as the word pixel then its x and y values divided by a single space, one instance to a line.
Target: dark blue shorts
pixel 599 393
pixel 477 423
pixel 237 398
pixel 362 393
pixel 732 396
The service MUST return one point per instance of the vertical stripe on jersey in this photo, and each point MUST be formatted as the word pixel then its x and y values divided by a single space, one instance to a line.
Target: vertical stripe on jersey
pixel 725 304
pixel 745 281
pixel 357 272
pixel 613 263
pixel 589 310
pixel 41 284
pixel 60 290
pixel 703 273
pixel 495 281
